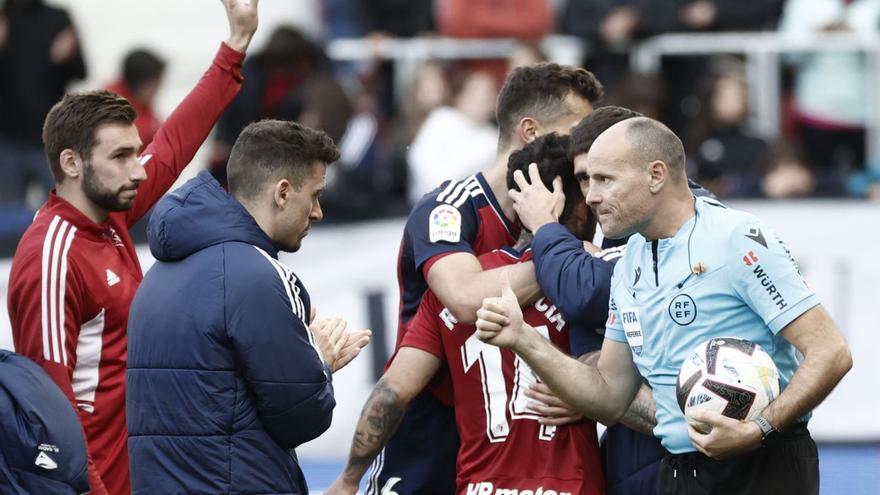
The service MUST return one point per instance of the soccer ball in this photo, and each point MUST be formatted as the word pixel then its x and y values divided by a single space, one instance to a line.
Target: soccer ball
pixel 728 375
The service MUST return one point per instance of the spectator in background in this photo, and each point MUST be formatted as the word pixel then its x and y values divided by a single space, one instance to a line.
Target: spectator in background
pixel 39 56
pixel 358 184
pixel 381 19
pixel 723 154
pixel 611 25
pixel 274 90
pixel 523 19
pixel 831 114
pixel 866 184
pixel 457 140
pixel 141 77
pixel 526 53
pixel 787 174
pixel 641 93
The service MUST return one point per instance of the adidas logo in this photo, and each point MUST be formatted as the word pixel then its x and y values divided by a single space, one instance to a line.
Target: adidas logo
pixel 112 278
pixel 45 461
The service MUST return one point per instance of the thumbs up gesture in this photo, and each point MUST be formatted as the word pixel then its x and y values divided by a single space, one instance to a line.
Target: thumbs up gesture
pixel 500 319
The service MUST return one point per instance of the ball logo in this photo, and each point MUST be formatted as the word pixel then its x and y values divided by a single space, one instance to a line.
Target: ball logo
pixel 683 310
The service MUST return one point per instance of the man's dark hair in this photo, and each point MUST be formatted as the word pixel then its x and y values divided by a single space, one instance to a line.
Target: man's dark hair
pixel 73 123
pixel 550 153
pixel 141 66
pixel 597 122
pixel 270 150
pixel 539 91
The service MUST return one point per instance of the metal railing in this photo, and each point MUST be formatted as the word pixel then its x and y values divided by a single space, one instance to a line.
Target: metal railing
pixel 762 52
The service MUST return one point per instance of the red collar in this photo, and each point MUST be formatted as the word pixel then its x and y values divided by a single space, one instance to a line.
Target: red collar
pixel 56 205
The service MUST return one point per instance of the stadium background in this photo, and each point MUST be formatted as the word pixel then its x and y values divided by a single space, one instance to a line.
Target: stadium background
pixel 349 267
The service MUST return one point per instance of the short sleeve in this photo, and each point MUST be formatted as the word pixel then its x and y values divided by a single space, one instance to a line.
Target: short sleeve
pixel 766 277
pixel 424 328
pixel 439 227
pixel 613 325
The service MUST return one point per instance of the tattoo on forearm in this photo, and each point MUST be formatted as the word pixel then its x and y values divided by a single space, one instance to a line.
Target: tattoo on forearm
pixel 378 421
pixel 641 414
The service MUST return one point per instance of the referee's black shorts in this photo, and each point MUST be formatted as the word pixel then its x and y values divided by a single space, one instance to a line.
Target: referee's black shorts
pixel 788 464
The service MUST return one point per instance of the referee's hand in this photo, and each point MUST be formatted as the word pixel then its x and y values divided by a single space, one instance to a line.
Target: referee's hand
pixel 726 437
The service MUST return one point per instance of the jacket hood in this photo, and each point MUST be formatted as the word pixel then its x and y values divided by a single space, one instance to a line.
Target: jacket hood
pixel 198 215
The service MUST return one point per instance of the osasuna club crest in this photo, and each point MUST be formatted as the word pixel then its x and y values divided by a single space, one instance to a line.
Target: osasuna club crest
pixel 683 309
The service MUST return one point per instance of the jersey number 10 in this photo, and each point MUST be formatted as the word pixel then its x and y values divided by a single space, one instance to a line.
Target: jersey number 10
pixel 495 398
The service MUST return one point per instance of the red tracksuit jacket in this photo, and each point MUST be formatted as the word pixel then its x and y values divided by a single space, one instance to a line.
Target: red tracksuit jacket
pixel 72 281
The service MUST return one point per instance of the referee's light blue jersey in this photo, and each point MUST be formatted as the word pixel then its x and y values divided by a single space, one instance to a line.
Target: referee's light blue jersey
pixel 750 288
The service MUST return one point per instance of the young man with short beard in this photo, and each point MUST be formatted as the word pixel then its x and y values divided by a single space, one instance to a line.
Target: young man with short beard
pixel 75 270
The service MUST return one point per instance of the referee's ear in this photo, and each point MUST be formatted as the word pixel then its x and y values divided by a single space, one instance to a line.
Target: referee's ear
pixel 658 175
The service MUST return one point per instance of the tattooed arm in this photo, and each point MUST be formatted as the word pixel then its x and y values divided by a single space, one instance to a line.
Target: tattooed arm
pixel 408 374
pixel 641 414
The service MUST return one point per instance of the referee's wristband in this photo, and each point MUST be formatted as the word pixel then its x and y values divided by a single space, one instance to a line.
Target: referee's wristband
pixel 767 430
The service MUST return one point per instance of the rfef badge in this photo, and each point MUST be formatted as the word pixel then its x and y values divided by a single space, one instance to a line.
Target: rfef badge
pixel 444 224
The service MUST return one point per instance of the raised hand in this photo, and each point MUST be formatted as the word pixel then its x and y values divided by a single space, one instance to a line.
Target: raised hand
pixel 500 320
pixel 242 16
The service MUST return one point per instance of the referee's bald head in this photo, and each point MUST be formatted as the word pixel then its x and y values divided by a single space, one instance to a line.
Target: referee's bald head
pixel 650 140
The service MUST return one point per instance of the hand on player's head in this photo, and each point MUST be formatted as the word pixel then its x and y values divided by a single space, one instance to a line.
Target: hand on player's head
pixel 534 204
pixel 499 319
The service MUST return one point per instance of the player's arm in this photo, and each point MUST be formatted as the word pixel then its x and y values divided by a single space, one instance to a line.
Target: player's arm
pixel 45 336
pixel 603 392
pixel 177 141
pixel 793 312
pixel 576 281
pixel 409 373
pixel 461 284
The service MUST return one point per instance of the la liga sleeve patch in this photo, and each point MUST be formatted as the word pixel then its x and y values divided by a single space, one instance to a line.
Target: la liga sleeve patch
pixel 444 224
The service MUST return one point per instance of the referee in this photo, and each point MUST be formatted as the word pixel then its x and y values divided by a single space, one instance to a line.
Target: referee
pixel 740 280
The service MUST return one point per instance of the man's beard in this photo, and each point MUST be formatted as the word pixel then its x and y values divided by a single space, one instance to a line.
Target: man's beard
pixel 99 194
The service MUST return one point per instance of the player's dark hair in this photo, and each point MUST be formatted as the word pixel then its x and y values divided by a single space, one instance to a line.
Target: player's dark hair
pixel 597 122
pixel 270 150
pixel 141 66
pixel 550 153
pixel 539 91
pixel 73 123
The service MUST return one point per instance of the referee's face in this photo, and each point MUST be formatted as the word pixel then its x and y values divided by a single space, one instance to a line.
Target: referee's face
pixel 617 192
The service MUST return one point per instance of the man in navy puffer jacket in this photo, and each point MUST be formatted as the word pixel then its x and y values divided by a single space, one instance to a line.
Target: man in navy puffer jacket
pixel 42 448
pixel 225 377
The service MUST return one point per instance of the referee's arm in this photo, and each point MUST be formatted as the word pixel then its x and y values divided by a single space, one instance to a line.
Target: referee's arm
pixel 826 360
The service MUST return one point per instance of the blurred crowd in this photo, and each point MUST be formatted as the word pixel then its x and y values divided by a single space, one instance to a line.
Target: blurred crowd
pixel 399 137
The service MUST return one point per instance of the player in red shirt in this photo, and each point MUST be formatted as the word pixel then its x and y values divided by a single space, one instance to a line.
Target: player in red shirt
pixel 505 448
pixel 75 270
pixel 446 231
